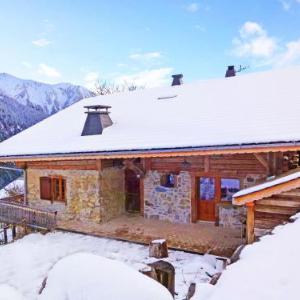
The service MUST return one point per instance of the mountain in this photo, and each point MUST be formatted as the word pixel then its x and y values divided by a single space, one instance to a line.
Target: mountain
pixel 26 102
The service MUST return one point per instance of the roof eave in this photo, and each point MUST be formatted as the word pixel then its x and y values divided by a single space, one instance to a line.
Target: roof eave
pixel 160 152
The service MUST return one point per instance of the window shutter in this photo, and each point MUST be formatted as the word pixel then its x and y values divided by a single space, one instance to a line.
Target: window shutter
pixel 45 188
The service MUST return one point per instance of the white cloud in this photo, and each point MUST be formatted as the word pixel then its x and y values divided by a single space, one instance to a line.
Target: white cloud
pixel 48 71
pixel 147 78
pixel 27 64
pixel 287 4
pixel 200 28
pixel 41 42
pixel 145 56
pixel 255 44
pixel 90 79
pixel 192 7
pixel 254 41
pixel 290 56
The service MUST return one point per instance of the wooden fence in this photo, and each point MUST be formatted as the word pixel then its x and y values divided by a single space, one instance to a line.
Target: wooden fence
pixel 20 214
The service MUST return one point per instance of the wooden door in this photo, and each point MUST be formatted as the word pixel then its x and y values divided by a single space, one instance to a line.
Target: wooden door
pixel 132 186
pixel 207 198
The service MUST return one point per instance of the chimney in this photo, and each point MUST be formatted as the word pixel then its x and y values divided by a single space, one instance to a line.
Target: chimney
pixel 177 79
pixel 230 71
pixel 97 119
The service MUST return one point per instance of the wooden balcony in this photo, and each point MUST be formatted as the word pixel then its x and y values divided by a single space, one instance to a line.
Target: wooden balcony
pixel 19 214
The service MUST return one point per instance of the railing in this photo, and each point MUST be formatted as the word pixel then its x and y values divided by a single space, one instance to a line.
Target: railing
pixel 19 214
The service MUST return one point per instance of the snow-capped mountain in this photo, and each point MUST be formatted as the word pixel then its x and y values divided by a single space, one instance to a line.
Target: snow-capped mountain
pixel 26 102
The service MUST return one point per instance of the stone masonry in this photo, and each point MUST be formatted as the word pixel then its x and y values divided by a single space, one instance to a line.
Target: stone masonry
pixel 90 195
pixel 169 204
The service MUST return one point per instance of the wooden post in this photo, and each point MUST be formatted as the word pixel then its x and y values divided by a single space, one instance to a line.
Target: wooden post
pixel 14 232
pixel 158 248
pixel 5 234
pixel 250 222
pixel 25 185
pixel 165 274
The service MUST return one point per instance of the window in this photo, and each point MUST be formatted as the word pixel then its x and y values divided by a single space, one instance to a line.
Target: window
pixel 168 180
pixel 53 188
pixel 207 188
pixel 229 187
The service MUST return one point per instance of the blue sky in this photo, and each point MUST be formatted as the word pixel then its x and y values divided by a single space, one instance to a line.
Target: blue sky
pixel 145 41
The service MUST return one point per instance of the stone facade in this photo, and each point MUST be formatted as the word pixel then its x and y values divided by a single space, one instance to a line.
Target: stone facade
pixel 170 204
pixel 112 199
pixel 231 216
pixel 89 197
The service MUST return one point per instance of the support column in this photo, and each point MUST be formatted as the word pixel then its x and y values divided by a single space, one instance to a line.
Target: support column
pixel 25 185
pixel 250 223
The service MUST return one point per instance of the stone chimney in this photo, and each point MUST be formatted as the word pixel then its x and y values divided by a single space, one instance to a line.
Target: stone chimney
pixel 230 71
pixel 177 79
pixel 97 119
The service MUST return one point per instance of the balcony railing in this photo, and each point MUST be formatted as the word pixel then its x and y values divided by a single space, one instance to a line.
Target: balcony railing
pixel 19 214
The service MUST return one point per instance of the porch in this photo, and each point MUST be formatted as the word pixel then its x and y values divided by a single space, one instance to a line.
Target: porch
pixel 202 237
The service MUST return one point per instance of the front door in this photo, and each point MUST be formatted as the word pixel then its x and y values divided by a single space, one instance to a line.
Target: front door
pixel 132 186
pixel 206 198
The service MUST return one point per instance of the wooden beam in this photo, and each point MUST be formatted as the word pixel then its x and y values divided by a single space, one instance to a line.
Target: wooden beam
pixel 262 160
pixel 194 212
pixel 99 165
pixel 250 223
pixel 206 164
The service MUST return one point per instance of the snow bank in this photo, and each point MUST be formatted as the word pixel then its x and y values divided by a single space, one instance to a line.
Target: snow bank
pixel 267 270
pixel 92 277
pixel 8 292
pixel 26 262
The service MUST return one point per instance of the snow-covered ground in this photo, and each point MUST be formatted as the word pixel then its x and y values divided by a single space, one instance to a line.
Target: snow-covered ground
pixel 26 262
pixel 93 277
pixel 267 270
pixel 17 185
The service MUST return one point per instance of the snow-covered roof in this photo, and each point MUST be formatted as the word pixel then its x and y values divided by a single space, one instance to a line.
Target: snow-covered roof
pixel 248 109
pixel 276 181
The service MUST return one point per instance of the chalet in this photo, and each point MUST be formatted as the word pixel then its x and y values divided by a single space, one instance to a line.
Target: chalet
pixel 175 154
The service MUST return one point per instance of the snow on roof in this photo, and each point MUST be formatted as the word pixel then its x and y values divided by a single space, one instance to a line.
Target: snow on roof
pixel 267 184
pixel 267 270
pixel 253 108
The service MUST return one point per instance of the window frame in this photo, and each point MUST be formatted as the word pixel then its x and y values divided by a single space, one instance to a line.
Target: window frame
pixel 164 180
pixel 58 188
pixel 232 178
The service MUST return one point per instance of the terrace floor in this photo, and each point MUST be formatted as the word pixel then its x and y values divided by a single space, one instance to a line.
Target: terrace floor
pixel 199 237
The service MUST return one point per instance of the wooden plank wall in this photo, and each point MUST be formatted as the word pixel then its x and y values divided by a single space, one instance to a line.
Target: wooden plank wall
pixel 236 165
pixel 275 210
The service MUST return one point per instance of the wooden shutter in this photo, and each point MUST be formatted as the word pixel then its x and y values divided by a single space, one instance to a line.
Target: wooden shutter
pixel 45 188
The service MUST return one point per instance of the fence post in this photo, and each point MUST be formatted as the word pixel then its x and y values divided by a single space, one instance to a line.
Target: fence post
pixel 5 234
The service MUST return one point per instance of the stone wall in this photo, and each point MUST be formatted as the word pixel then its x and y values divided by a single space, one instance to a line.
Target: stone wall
pixel 82 194
pixel 234 216
pixel 231 216
pixel 170 204
pixel 90 196
pixel 112 199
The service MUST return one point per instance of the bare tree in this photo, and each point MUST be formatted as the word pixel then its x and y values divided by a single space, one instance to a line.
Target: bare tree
pixel 103 87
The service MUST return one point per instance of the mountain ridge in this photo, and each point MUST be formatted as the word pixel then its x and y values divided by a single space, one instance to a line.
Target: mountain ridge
pixel 24 102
